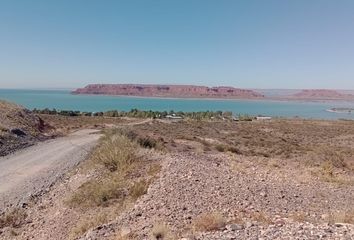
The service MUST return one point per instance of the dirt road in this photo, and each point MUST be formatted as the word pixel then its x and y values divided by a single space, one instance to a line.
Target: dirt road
pixel 29 171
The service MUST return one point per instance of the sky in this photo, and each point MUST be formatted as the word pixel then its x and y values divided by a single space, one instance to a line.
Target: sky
pixel 240 43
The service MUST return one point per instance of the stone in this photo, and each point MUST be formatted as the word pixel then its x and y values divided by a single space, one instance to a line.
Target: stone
pixel 18 132
pixel 249 224
pixel 235 227
pixel 263 194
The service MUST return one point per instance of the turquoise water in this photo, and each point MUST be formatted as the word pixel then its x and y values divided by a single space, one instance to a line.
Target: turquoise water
pixel 63 100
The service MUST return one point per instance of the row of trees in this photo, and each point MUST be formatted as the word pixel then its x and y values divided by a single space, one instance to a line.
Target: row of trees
pixel 135 113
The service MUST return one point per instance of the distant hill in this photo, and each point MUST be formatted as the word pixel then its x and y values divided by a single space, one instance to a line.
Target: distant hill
pixel 177 91
pixel 324 94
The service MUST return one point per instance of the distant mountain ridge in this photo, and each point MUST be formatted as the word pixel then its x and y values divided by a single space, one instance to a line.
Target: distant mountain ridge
pixel 222 92
pixel 322 94
pixel 178 91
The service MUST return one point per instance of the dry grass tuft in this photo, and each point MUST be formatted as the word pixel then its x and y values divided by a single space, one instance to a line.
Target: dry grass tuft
pixel 239 167
pixel 86 224
pixel 332 172
pixel 154 169
pixel 336 158
pixel 234 150
pixel 138 189
pixel 261 217
pixel 300 217
pixel 143 141
pixel 327 170
pixel 342 217
pixel 273 163
pixel 221 148
pixel 226 148
pixel 209 222
pixel 97 193
pixel 114 187
pixel 13 218
pixel 116 152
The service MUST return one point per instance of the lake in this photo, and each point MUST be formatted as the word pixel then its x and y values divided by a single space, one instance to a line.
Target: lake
pixel 63 100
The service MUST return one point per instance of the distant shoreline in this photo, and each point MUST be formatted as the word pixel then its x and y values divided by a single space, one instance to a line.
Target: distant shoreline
pixel 63 100
pixel 279 98
pixel 270 99
pixel 341 110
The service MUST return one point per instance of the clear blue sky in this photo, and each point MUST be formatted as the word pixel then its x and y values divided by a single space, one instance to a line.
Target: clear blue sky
pixel 242 43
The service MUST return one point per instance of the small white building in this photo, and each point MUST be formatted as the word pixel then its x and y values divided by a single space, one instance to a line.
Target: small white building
pixel 173 116
pixel 263 118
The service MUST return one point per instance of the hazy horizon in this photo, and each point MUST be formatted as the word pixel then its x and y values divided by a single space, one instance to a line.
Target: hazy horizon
pixel 259 89
pixel 245 44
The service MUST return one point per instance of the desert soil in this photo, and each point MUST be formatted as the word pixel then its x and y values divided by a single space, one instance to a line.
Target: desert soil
pixel 281 179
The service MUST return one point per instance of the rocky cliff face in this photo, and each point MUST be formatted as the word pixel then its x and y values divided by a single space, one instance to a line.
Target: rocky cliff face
pixel 321 94
pixel 167 91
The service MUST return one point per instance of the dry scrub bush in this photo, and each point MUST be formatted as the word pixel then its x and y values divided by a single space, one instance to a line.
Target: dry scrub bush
pixel 300 217
pixel 98 193
pixel 143 141
pixel 86 224
pixel 238 167
pixel 127 132
pixel 336 158
pixel 115 187
pixel 234 150
pixel 331 165
pixel 342 217
pixel 209 222
pixel 326 172
pixel 327 169
pixel 261 217
pixel 225 148
pixel 160 232
pixel 13 218
pixel 273 163
pixel 147 142
pixel 138 189
pixel 221 148
pixel 154 169
pixel 116 152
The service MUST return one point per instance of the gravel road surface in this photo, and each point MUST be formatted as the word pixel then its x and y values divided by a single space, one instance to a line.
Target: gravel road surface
pixel 32 170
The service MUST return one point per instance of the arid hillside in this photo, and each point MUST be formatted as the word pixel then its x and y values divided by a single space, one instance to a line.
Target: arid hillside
pixel 324 94
pixel 18 127
pixel 202 180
